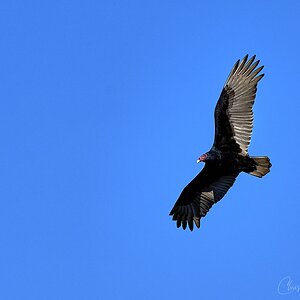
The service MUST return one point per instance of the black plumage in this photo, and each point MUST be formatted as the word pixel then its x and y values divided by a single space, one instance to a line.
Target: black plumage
pixel 229 153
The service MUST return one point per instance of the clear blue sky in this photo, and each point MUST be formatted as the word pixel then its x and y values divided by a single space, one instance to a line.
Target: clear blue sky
pixel 105 107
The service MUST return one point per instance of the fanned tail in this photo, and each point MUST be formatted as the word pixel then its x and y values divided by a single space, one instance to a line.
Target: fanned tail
pixel 263 166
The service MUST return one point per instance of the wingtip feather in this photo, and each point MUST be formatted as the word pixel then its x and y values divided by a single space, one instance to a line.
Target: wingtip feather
pixel 191 224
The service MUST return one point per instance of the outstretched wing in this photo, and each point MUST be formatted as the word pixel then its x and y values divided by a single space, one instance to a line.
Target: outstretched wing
pixel 194 202
pixel 233 112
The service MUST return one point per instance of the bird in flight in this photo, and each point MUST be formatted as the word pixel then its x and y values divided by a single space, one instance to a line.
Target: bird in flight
pixel 228 156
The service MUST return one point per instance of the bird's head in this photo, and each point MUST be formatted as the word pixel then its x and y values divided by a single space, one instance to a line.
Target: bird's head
pixel 202 158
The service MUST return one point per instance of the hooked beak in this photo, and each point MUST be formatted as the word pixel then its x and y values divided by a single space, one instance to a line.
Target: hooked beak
pixel 202 158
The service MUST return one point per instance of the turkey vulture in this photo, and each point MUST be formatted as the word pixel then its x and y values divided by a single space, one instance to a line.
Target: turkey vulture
pixel 228 156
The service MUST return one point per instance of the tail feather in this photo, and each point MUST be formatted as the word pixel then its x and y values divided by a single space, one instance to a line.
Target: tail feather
pixel 263 166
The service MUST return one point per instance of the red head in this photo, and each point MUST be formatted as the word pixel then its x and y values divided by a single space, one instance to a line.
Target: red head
pixel 203 157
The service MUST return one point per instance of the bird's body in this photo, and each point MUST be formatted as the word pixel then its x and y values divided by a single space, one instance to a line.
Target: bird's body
pixel 229 153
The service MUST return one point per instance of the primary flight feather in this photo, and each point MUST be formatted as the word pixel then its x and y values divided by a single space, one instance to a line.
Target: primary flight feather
pixel 229 153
